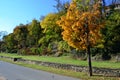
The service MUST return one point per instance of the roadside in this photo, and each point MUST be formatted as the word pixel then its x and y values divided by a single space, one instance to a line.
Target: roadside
pixel 66 60
pixel 79 75
pixel 16 72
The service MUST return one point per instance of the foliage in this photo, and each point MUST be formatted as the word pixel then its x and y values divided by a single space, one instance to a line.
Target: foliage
pixel 52 32
pixel 112 33
pixel 63 46
pixel 49 24
pixel 44 37
pixel 10 44
pixel 74 25
pixel 35 50
pixel 50 29
pixel 35 32
pixel 2 48
pixel 82 28
pixel 28 51
pixel 78 54
pixel 20 33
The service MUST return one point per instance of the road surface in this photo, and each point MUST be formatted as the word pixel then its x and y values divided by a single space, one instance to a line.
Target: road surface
pixel 10 71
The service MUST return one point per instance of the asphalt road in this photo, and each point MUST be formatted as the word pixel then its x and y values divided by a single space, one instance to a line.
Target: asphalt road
pixel 10 71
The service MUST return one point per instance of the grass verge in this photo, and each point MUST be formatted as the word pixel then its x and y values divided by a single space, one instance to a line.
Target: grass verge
pixel 68 60
pixel 80 75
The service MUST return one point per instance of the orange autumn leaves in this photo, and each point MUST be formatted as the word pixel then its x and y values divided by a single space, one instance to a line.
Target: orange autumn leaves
pixel 74 25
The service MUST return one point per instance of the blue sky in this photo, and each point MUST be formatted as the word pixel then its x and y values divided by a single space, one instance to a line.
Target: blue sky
pixel 14 12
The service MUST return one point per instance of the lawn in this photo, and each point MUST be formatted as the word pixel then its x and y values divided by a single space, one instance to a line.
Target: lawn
pixel 67 60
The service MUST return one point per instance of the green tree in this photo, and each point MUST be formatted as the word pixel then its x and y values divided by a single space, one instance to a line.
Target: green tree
pixel 10 44
pixel 2 48
pixel 112 33
pixel 50 29
pixel 35 32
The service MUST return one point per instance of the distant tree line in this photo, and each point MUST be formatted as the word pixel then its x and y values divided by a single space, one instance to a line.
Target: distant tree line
pixel 44 37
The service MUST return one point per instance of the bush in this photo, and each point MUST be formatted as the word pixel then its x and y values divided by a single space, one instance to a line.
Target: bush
pixel 35 51
pixel 21 52
pixel 27 51
pixel 102 56
pixel 76 54
pixel 106 57
pixel 44 50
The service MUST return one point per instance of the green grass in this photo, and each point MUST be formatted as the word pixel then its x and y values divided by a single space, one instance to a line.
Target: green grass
pixel 80 75
pixel 67 60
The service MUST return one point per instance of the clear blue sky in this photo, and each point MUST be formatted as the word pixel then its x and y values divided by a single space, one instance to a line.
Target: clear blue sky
pixel 14 12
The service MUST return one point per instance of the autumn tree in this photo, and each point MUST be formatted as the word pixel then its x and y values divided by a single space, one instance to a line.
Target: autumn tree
pixel 20 33
pixel 82 28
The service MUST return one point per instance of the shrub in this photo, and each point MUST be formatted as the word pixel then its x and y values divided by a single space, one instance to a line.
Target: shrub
pixel 35 50
pixel 78 54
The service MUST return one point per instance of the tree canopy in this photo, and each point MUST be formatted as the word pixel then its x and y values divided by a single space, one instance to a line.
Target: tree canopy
pixel 75 25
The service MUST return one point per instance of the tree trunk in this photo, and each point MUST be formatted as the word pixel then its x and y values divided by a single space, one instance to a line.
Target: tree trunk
pixel 88 51
pixel 89 60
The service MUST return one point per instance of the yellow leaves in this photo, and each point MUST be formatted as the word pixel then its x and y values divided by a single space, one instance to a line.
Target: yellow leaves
pixel 96 6
pixel 50 21
pixel 74 24
pixel 62 18
pixel 77 12
pixel 78 23
pixel 73 5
